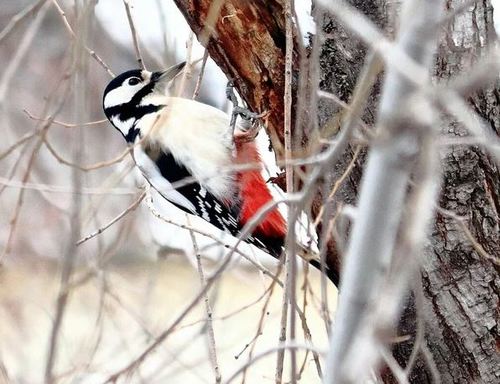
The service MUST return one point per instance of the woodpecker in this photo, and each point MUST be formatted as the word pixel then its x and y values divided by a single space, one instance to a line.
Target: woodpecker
pixel 185 150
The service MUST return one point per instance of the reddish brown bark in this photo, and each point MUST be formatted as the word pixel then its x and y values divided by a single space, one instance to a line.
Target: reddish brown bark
pixel 248 43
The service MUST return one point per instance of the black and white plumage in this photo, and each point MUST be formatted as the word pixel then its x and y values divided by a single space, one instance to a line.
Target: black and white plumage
pixel 205 204
pixel 184 149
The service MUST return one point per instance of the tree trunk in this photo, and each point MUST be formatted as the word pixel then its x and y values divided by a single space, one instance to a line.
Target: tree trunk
pixel 462 287
pixel 461 303
pixel 247 41
pixel 461 284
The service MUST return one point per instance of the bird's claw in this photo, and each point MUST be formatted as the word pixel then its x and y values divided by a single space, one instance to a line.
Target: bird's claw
pixel 249 127
pixel 246 114
pixel 230 95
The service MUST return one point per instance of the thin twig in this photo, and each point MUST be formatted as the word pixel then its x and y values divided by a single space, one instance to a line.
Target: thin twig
pixel 260 325
pixel 70 256
pixel 461 221
pixel 436 376
pixel 280 356
pixel 418 294
pixel 135 363
pixel 135 38
pixel 407 67
pixel 271 351
pixel 14 167
pixel 216 240
pixel 63 124
pixel 63 189
pixel 18 143
pixel 186 73
pixel 87 168
pixel 398 372
pixel 129 209
pixel 233 313
pixel 23 47
pixel 245 232
pixel 72 34
pixel 208 309
pixel 338 184
pixel 474 123
pixel 27 173
pixel 289 293
pixel 200 76
pixel 30 10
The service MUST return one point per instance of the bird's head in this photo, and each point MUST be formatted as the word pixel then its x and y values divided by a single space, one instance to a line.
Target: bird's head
pixel 127 98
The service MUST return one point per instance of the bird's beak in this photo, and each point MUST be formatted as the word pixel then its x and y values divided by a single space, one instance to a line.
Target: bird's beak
pixel 168 74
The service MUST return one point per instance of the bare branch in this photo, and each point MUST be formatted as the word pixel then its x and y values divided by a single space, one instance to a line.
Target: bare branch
pixel 210 328
pixel 270 351
pixel 22 49
pixel 70 256
pixel 289 293
pixel 135 38
pixel 17 144
pixel 468 234
pixel 65 125
pixel 129 209
pixel 200 77
pixel 72 35
pixel 87 168
pixel 62 189
pixel 30 10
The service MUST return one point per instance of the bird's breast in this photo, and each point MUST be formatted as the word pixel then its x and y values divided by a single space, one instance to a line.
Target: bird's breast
pixel 198 137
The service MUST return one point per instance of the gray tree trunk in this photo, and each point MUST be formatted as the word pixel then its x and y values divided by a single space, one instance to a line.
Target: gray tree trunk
pixel 461 303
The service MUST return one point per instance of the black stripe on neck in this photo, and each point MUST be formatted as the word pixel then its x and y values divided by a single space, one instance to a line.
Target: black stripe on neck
pixel 132 134
pixel 131 111
pixel 136 113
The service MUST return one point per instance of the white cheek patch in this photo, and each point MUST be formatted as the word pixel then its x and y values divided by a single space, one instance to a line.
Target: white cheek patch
pixel 121 95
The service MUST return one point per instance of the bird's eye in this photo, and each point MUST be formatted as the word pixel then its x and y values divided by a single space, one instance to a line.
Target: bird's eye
pixel 133 81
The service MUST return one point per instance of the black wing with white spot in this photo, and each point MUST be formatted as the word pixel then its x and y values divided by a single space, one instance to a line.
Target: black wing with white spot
pixel 206 205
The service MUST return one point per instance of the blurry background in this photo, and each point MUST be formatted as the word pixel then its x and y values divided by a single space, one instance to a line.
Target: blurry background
pixel 122 295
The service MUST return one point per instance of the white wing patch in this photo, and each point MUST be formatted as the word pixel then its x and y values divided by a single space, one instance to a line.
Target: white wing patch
pixel 204 213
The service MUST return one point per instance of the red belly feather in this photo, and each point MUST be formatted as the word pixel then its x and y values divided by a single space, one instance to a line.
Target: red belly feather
pixel 254 193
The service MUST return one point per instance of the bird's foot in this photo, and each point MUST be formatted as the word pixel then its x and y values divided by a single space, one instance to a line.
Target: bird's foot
pixel 249 126
pixel 245 136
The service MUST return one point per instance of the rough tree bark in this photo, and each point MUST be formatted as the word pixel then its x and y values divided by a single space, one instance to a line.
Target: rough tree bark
pixel 461 287
pixel 247 40
pixel 461 301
